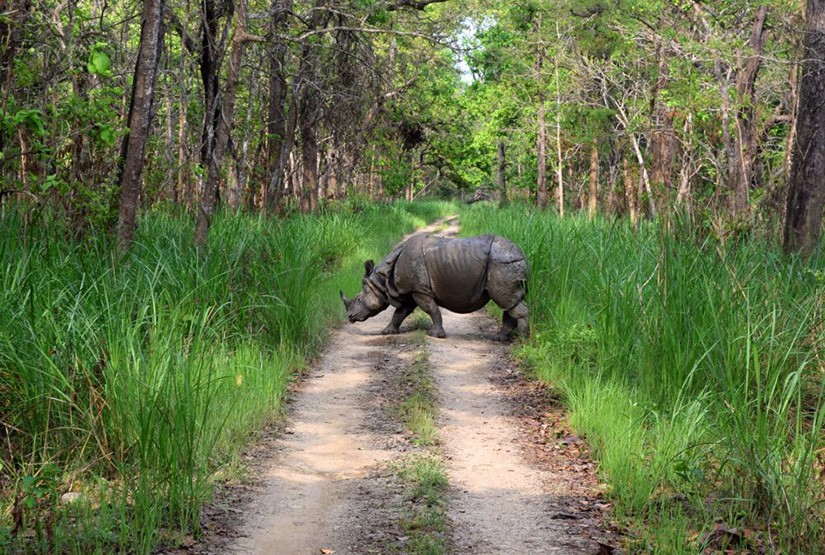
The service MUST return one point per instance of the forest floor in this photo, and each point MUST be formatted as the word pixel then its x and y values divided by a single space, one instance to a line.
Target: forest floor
pixel 326 480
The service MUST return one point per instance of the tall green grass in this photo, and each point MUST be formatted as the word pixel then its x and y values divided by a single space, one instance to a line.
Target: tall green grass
pixel 693 367
pixel 135 380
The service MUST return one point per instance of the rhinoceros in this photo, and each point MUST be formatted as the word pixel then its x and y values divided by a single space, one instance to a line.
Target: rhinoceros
pixel 461 275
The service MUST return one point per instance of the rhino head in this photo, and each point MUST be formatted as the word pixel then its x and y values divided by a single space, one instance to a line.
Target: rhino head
pixel 372 298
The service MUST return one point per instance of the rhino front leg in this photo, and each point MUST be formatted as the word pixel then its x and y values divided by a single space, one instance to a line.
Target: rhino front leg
pixel 515 317
pixel 398 316
pixel 508 324
pixel 428 305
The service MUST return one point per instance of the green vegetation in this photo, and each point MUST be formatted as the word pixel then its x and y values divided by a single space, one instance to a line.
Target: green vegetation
pixel 133 381
pixel 423 472
pixel 692 366
pixel 418 407
pixel 426 522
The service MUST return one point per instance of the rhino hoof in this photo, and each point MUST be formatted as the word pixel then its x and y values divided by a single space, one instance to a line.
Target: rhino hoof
pixel 389 331
pixel 437 333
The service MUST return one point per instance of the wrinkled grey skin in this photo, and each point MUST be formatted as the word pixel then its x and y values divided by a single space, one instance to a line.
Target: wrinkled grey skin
pixel 461 275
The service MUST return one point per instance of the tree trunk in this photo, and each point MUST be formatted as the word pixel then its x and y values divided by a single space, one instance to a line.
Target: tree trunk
pixel 559 169
pixel 541 139
pixel 210 57
pixel 594 180
pixel 541 161
pixel 240 162
pixel 277 125
pixel 683 197
pixel 806 190
pixel 140 113
pixel 740 164
pixel 502 178
pixel 223 129
pixel 309 115
pixel 629 191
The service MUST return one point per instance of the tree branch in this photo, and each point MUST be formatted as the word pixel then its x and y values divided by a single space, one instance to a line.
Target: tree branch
pixel 187 41
pixel 417 5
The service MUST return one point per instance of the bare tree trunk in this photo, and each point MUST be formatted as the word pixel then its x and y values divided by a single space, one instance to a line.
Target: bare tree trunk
pixel 169 151
pixel 140 119
pixel 223 129
pixel 541 146
pixel 541 139
pixel 502 177
pixel 806 190
pixel 277 126
pixel 629 191
pixel 309 116
pixel 594 180
pixel 793 79
pixel 184 184
pixel 683 197
pixel 660 134
pixel 239 174
pixel 559 169
pixel 613 175
pixel 210 58
pixel 740 164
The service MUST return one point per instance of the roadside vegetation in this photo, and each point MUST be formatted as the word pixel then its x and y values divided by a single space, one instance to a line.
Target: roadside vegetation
pixel 692 365
pixel 127 383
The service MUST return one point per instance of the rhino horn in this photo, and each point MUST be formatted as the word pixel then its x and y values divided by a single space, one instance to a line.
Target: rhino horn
pixel 344 298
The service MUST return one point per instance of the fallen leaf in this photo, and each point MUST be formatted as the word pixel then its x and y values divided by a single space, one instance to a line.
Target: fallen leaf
pixel 327 551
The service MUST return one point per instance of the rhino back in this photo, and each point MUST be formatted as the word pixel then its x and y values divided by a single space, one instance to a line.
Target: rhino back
pixel 457 271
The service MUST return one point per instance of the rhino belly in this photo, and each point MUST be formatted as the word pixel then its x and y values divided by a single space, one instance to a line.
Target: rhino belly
pixel 462 304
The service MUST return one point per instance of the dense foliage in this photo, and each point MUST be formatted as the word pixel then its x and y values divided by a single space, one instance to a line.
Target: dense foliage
pixel 631 107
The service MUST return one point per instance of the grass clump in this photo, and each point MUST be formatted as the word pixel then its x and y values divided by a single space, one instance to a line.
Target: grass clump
pixel 423 473
pixel 692 366
pixel 418 407
pixel 426 521
pixel 134 380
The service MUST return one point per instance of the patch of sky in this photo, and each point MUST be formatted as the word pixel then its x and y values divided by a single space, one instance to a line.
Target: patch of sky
pixel 467 42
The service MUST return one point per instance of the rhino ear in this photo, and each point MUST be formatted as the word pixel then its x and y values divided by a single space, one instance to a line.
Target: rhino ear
pixel 344 298
pixel 369 266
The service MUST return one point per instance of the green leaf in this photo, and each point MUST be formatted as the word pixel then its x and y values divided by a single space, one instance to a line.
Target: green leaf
pixel 99 63
pixel 107 135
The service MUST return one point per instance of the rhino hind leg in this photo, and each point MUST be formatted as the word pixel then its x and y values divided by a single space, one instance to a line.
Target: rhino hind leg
pixel 429 306
pixel 398 316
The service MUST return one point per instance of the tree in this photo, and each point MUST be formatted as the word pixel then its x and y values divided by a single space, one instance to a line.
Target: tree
pixel 806 191
pixel 139 119
pixel 224 117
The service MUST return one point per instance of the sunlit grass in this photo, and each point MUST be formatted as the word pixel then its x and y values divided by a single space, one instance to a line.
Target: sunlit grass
pixel 692 367
pixel 135 380
pixel 426 521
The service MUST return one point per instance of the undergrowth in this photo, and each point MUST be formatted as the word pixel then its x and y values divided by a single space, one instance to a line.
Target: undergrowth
pixel 694 369
pixel 128 383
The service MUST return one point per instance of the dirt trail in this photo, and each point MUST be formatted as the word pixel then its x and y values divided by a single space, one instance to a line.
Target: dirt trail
pixel 501 503
pixel 325 448
pixel 327 473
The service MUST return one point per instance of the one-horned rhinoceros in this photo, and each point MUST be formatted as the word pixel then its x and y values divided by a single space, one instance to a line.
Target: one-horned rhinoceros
pixel 461 275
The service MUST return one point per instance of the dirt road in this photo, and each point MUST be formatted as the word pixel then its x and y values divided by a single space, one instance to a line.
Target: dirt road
pixel 325 484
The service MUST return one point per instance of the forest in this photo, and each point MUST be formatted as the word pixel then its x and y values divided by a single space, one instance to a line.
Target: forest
pixel 185 186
